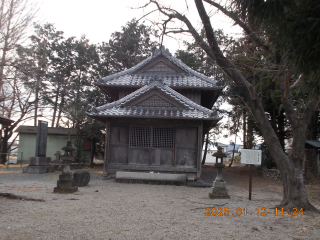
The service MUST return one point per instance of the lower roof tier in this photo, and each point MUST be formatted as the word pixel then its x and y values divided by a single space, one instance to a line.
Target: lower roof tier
pixel 170 104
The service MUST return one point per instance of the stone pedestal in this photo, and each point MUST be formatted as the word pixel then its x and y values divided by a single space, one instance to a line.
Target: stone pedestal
pixel 219 189
pixel 221 193
pixel 219 184
pixel 39 165
pixel 65 184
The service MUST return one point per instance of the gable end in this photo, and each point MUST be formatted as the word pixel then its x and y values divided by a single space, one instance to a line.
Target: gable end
pixel 155 100
pixel 160 64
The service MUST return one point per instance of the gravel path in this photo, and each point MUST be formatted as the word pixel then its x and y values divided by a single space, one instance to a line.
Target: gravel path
pixel 108 210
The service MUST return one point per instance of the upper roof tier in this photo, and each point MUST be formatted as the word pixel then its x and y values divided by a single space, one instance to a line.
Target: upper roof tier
pixel 162 63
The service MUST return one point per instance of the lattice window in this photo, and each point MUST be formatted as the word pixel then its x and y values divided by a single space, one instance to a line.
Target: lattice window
pixel 162 138
pixel 140 137
pixel 154 100
pixel 160 67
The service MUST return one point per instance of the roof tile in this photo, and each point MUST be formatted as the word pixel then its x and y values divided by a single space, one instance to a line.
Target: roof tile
pixel 190 79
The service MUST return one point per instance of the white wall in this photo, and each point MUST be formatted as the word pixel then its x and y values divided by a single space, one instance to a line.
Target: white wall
pixel 27 145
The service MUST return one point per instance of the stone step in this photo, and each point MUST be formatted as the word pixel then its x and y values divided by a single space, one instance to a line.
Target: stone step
pixel 151 176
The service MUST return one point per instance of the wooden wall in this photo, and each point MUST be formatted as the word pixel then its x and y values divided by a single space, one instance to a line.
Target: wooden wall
pixel 193 95
pixel 182 157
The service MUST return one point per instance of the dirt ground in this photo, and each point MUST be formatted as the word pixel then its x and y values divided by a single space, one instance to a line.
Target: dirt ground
pixel 106 209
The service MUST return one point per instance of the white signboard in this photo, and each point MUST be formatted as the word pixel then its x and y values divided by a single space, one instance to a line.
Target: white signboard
pixel 249 156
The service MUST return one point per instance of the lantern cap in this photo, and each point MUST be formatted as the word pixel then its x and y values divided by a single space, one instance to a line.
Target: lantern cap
pixel 219 153
pixel 69 147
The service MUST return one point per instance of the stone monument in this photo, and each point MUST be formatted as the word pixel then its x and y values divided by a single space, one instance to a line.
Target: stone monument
pixel 66 183
pixel 219 189
pixel 40 163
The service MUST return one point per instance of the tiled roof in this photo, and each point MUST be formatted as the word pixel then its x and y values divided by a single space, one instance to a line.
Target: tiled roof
pixel 189 79
pixel 174 80
pixel 190 110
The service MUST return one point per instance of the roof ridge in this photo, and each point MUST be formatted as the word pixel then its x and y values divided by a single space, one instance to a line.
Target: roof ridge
pixel 156 53
pixel 127 71
pixel 166 53
pixel 188 69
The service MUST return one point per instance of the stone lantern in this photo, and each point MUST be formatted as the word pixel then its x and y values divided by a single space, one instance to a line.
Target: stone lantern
pixel 219 189
pixel 219 156
pixel 68 156
pixel 66 183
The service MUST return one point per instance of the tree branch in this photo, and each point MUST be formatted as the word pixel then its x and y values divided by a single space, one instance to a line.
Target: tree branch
pixel 242 24
pixel 297 81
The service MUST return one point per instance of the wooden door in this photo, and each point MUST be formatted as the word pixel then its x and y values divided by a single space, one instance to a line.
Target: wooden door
pixel 119 141
pixel 186 147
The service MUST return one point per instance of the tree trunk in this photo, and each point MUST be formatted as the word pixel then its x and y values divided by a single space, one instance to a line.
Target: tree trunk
pixel 60 110
pixel 250 132
pixel 55 107
pixel 281 131
pixel 93 149
pixel 205 150
pixel 235 140
pixel 5 48
pixel 244 115
pixel 36 103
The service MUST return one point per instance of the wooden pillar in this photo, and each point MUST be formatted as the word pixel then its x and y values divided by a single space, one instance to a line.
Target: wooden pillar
pixel 200 130
pixel 174 146
pixel 106 149
pixel 317 162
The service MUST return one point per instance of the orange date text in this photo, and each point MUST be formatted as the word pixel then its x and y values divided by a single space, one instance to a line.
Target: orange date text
pixel 258 211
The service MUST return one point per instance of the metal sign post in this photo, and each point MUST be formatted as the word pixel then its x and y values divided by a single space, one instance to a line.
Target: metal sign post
pixel 249 156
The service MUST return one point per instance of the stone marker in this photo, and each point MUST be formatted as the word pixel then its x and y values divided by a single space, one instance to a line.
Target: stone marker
pixel 40 163
pixel 81 178
pixel 41 145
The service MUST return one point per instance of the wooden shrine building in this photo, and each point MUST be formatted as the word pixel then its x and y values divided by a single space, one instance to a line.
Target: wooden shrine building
pixel 160 113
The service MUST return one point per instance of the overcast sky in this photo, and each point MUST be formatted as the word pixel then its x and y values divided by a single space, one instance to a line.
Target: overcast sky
pixel 97 19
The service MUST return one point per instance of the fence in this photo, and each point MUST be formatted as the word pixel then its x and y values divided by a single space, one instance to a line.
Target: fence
pixel 8 159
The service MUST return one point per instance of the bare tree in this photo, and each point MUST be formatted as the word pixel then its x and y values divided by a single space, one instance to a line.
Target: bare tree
pixel 15 18
pixel 17 104
pixel 290 165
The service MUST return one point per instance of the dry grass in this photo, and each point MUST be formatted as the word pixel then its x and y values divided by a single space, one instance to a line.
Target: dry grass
pixel 3 166
pixel 5 172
